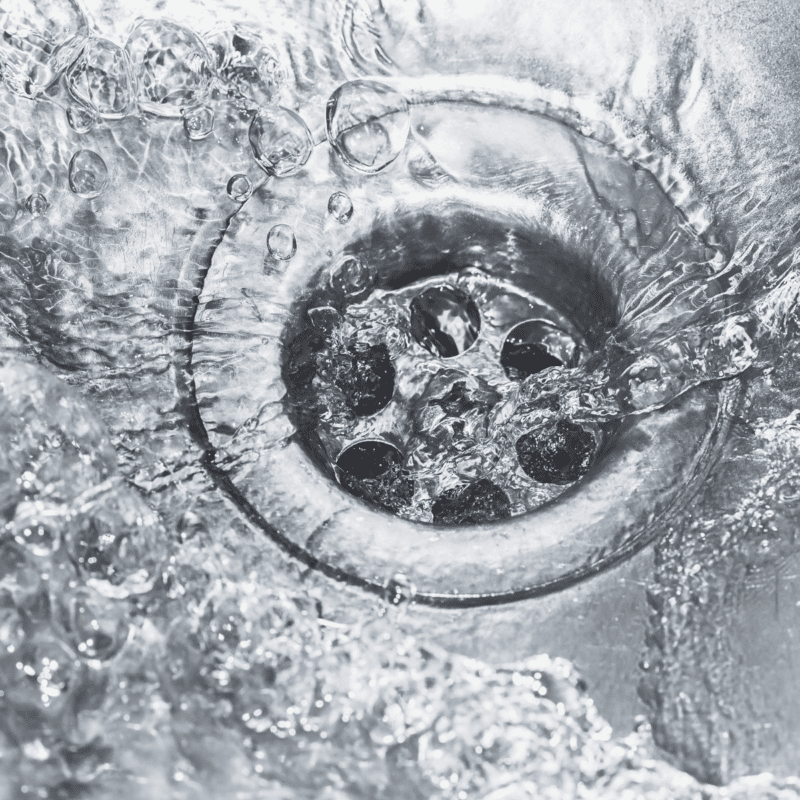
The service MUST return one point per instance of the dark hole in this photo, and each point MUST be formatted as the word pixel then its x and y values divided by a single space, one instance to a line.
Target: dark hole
pixel 445 320
pixel 373 470
pixel 365 375
pixel 534 346
pixel 482 501
pixel 559 454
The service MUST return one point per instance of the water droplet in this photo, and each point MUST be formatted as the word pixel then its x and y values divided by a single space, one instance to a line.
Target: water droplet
pixel 8 196
pixel 281 141
pixel 373 470
pixel 96 625
pixel 365 375
pixel 88 174
pixel 445 320
pixel 558 454
pixel 41 38
pixel 101 79
pixel 172 67
pixel 240 188
pixel 399 590
pixel 81 120
pixel 340 207
pixel 37 528
pixel 351 277
pixel 36 205
pixel 281 242
pixel 482 501
pixel 367 124
pixel 536 345
pixel 198 123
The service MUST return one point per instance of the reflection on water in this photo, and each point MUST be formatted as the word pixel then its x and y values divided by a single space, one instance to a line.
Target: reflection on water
pixel 153 642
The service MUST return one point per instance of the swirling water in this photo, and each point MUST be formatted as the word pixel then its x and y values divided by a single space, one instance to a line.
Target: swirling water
pixel 152 642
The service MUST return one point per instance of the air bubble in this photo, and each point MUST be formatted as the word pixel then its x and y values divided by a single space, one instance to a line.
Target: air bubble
pixel 373 470
pixel 101 79
pixel 558 454
pixel 534 346
pixel 199 123
pixel 37 528
pixel 340 207
pixel 445 321
pixel 351 277
pixel 240 188
pixel 36 205
pixel 367 124
pixel 171 65
pixel 96 625
pixel 281 242
pixel 281 141
pixel 81 120
pixel 88 174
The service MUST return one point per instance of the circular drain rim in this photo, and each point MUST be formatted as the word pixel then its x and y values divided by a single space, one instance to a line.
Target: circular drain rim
pixel 195 270
pixel 730 393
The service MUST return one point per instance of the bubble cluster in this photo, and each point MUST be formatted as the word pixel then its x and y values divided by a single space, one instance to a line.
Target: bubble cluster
pixel 367 124
pixel 172 67
pixel 40 39
pixel 88 174
pixel 101 79
pixel 281 141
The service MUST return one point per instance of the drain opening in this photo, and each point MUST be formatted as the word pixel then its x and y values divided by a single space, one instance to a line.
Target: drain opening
pixel 425 347
pixel 549 241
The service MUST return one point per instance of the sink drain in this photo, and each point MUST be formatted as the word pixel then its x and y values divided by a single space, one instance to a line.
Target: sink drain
pixel 388 412
pixel 432 367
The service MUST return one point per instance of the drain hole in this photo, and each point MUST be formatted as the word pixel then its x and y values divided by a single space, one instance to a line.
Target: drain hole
pixel 432 365
pixel 445 321
pixel 373 470
pixel 558 455
pixel 534 346
pixel 364 374
pixel 482 501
